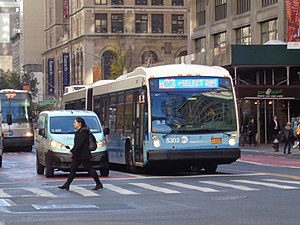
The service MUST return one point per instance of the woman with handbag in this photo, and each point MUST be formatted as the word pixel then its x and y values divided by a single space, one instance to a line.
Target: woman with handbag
pixel 81 154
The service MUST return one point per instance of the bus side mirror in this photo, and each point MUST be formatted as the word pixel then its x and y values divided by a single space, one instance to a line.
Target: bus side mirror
pixel 106 131
pixel 9 119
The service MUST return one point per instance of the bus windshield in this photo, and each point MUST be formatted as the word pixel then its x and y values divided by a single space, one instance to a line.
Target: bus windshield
pixel 19 108
pixel 193 110
pixel 65 124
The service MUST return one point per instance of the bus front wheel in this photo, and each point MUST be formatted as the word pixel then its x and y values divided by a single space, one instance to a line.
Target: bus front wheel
pixel 210 168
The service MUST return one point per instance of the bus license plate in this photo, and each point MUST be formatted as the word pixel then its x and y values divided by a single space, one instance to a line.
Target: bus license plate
pixel 216 140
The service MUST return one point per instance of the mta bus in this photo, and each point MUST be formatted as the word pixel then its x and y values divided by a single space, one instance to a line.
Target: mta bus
pixel 177 115
pixel 17 127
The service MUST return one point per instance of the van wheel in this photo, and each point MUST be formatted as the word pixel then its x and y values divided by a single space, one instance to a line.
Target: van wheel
pixel 39 167
pixel 104 172
pixel 49 170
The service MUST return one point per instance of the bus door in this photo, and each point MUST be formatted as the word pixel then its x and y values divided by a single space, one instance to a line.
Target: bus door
pixel 138 126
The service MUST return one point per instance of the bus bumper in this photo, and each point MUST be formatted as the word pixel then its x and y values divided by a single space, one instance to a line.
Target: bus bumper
pixel 218 156
pixel 18 142
pixel 63 161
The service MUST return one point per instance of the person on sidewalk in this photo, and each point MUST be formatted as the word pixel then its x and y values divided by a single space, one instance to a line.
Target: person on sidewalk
pixel 252 132
pixel 287 138
pixel 274 128
pixel 297 135
pixel 81 155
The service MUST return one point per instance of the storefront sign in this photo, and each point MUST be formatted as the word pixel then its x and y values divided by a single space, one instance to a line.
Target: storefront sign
pixel 269 93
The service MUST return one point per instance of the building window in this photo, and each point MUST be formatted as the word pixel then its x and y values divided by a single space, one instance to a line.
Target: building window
pixel 268 2
pixel 243 36
pixel 157 23
pixel 220 40
pixel 141 23
pixel 117 23
pixel 243 6
pixel 141 2
pixel 177 2
pixel 178 24
pixel 100 23
pixel 200 12
pixel 157 2
pixel 200 44
pixel 100 2
pixel 220 9
pixel 269 31
pixel 117 2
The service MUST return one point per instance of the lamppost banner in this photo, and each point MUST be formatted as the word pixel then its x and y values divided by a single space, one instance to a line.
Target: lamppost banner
pixel 51 76
pixel 293 11
pixel 66 70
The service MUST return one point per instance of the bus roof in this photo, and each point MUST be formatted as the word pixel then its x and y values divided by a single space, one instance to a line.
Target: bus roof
pixel 177 70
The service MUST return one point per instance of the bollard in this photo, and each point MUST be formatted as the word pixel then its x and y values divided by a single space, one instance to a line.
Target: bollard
pixel 276 145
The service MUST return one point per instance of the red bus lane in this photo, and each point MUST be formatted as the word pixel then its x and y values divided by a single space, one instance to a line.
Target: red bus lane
pixel 271 161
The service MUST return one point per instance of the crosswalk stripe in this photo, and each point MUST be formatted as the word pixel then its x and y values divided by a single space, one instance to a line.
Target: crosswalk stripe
pixel 283 181
pixel 119 190
pixel 3 194
pixel 82 191
pixel 238 187
pixel 40 192
pixel 265 184
pixel 192 187
pixel 155 188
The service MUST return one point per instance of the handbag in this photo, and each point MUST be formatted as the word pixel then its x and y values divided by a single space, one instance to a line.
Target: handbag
pixel 92 142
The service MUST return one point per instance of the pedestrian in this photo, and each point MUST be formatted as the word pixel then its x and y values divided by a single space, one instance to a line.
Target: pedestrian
pixel 252 132
pixel 287 138
pixel 297 135
pixel 81 155
pixel 275 128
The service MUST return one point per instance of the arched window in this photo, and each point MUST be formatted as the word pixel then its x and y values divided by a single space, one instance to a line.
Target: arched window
pixel 183 53
pixel 107 58
pixel 149 58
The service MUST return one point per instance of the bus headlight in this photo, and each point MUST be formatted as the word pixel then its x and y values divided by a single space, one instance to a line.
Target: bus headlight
pixel 156 143
pixel 232 141
pixel 29 134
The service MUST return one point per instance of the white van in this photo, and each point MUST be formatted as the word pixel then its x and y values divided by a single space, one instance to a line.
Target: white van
pixel 55 138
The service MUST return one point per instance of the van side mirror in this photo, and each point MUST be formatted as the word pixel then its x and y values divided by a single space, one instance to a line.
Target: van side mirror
pixel 42 132
pixel 9 119
pixel 106 131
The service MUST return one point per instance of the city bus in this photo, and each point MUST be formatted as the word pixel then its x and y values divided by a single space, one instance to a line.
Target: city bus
pixel 179 115
pixel 17 127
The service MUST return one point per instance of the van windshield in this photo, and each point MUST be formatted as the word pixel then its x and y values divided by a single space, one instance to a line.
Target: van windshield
pixel 65 124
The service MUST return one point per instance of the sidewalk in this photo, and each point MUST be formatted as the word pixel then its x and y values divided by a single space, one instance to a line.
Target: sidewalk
pixel 268 149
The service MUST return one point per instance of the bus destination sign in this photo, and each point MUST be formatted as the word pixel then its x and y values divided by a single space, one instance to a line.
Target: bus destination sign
pixel 188 83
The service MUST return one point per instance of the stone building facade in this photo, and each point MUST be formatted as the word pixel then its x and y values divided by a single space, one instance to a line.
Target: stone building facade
pixel 82 34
